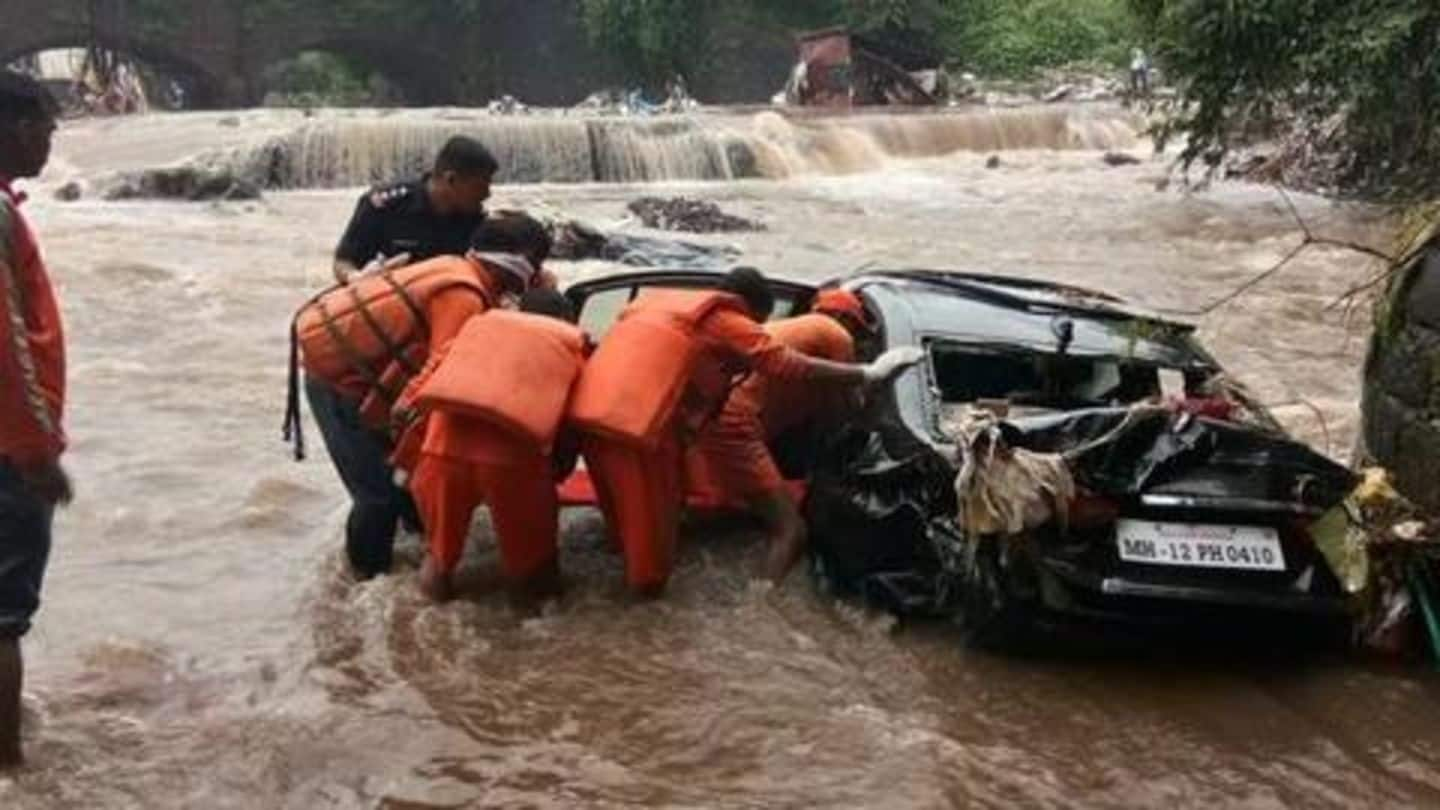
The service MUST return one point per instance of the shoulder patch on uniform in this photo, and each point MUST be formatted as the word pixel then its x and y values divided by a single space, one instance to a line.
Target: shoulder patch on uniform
pixel 386 195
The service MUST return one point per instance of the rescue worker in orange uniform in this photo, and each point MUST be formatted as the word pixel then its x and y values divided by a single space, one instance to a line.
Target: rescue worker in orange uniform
pixel 732 454
pixel 662 372
pixel 496 402
pixel 360 343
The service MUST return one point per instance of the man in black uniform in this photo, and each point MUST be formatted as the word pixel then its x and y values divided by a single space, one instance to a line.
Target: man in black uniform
pixel 432 216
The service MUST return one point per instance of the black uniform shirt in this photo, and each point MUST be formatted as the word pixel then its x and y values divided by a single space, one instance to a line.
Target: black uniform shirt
pixel 396 219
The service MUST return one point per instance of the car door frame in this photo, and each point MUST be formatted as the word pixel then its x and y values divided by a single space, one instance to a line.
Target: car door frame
pixel 582 291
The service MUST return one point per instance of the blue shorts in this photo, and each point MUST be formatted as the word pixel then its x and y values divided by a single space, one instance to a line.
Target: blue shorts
pixel 25 522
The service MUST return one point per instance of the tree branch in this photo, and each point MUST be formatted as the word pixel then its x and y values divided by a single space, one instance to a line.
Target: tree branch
pixel 1310 239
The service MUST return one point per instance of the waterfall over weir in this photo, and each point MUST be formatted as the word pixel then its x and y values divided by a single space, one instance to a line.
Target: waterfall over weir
pixel 555 149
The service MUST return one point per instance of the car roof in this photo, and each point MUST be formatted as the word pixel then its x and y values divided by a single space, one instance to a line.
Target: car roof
pixel 1022 313
pixel 984 308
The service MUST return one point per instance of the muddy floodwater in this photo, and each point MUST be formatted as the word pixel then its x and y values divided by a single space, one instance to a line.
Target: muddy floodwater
pixel 201 646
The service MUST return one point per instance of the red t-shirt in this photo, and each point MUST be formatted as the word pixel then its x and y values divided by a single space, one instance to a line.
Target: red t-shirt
pixel 32 343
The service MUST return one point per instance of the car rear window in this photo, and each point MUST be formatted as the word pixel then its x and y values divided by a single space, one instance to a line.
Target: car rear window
pixel 968 374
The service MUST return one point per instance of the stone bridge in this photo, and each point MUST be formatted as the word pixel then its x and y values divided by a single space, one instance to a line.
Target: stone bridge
pixel 220 49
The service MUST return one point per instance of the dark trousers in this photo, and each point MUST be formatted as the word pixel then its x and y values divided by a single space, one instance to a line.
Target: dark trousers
pixel 361 456
pixel 25 523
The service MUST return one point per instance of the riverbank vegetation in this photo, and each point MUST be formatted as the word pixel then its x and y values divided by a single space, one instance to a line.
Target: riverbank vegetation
pixel 657 39
pixel 1350 91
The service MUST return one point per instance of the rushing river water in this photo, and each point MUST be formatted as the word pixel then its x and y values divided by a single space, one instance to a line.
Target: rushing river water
pixel 202 647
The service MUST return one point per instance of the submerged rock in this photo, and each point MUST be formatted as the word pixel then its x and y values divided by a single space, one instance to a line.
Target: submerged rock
pixel 192 183
pixel 70 192
pixel 1401 405
pixel 691 216
pixel 575 240
pixel 1120 159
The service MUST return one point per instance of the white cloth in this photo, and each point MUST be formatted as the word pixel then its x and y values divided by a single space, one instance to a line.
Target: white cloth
pixel 511 264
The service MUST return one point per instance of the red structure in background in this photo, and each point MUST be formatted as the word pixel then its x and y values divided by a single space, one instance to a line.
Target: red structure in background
pixel 839 69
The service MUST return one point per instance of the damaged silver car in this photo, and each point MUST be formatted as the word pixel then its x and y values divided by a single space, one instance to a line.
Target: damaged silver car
pixel 1060 456
pixel 1064 457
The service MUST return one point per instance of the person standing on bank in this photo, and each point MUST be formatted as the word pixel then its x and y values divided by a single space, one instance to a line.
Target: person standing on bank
pixel 420 219
pixel 32 393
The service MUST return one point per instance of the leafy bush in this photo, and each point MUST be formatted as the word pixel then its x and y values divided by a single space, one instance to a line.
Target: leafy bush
pixel 653 39
pixel 319 78
pixel 1361 80
pixel 1015 38
pixel 656 38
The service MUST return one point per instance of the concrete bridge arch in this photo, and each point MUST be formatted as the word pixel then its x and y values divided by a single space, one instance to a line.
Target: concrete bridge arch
pixel 206 65
pixel 532 49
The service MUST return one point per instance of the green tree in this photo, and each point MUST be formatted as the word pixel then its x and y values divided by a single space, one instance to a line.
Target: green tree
pixel 1362 79
pixel 653 39
pixel 1017 37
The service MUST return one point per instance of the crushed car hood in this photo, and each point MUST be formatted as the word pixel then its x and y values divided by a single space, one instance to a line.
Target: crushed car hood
pixel 1155 452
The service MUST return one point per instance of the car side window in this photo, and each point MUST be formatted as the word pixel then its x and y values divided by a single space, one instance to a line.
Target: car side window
pixel 785 306
pixel 603 308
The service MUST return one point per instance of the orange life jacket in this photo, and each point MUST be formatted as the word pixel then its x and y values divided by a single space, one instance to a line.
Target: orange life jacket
pixel 634 382
pixel 511 369
pixel 373 330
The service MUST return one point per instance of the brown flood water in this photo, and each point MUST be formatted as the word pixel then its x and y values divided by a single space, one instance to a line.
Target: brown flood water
pixel 201 647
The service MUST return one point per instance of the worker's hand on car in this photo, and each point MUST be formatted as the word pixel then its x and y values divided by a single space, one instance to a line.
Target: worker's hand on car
pixel 889 366
pixel 382 263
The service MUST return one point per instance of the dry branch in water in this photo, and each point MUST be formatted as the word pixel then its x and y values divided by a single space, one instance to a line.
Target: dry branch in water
pixel 1392 264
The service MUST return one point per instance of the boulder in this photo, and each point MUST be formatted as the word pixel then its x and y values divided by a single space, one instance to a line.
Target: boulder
pixel 1401 403
pixel 692 216
pixel 193 183
pixel 70 192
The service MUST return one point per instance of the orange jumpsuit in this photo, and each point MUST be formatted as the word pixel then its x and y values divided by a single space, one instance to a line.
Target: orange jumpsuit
pixel 641 491
pixel 731 463
pixel 465 462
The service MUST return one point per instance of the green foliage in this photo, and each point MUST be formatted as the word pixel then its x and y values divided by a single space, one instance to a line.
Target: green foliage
pixel 1364 78
pixel 1017 37
pixel 896 16
pixel 316 78
pixel 654 39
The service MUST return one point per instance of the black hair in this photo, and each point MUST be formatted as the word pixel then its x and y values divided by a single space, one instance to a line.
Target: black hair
pixel 548 302
pixel 750 284
pixel 466 157
pixel 24 99
pixel 513 232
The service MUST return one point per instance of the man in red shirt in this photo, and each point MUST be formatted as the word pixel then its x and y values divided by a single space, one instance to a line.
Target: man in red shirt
pixel 32 393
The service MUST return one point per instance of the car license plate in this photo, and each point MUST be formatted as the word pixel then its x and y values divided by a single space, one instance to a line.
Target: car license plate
pixel 1197 545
